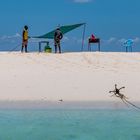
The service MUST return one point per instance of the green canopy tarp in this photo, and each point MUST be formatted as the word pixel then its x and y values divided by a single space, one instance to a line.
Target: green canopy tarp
pixel 64 30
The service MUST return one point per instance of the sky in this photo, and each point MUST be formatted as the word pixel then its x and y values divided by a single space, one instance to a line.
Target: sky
pixel 113 21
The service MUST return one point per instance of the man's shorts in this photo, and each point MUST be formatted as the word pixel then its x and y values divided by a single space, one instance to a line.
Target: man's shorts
pixel 25 43
pixel 57 42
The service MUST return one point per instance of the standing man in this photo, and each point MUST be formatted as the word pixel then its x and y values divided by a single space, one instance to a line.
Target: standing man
pixel 25 39
pixel 57 38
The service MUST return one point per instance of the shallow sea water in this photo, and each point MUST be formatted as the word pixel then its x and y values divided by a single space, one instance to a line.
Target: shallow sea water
pixel 69 124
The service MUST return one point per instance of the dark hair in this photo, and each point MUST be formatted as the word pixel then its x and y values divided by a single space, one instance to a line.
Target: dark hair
pixel 26 27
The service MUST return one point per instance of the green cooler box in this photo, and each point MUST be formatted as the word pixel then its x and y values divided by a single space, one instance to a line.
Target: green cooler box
pixel 48 49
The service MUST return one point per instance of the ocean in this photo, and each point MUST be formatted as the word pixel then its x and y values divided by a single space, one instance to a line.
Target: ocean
pixel 69 124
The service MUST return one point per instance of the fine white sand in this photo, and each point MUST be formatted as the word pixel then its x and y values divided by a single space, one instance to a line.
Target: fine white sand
pixel 70 76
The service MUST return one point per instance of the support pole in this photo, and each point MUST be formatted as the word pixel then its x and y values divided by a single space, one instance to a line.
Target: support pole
pixel 83 39
pixel 39 46
pixel 89 46
pixel 131 49
pixel 99 46
pixel 126 49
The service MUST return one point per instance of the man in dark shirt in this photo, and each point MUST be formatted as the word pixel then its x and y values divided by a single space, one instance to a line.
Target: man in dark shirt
pixel 57 38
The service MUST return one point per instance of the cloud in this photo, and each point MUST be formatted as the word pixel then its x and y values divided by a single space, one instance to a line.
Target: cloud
pixel 82 1
pixel 6 37
pixel 66 39
pixel 122 40
pixel 111 40
pixel 118 41
pixel 10 39
pixel 136 40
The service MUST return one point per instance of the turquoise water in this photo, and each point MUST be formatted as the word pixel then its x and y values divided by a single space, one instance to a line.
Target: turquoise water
pixel 73 124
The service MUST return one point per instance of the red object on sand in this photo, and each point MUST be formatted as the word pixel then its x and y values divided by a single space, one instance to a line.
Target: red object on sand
pixel 92 37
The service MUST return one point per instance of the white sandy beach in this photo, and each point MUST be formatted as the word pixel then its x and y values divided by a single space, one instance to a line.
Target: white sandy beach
pixel 68 76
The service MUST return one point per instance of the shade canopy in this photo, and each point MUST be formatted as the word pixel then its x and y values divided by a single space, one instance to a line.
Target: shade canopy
pixel 64 30
pixel 129 43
